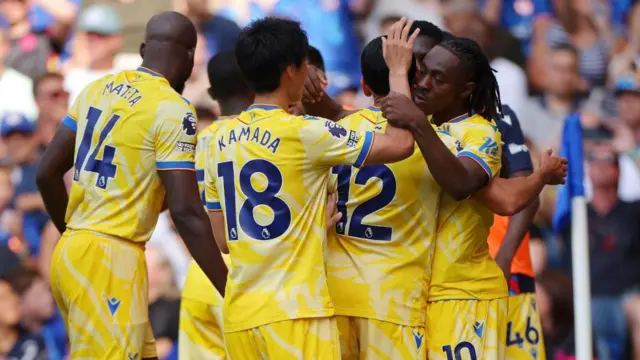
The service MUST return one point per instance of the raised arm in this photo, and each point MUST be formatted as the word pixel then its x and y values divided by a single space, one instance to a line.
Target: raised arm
pixel 507 197
pixel 316 102
pixel 55 162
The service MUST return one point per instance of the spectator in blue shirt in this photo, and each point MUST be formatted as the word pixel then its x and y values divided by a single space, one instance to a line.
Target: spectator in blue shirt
pixel 17 133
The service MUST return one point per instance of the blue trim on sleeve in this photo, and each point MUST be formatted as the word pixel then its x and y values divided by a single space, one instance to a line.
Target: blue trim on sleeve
pixel 213 206
pixel 479 160
pixel 175 165
pixel 366 147
pixel 70 122
pixel 200 174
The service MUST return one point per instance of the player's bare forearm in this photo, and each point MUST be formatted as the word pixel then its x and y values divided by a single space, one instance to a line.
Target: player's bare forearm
pixel 394 145
pixel 518 227
pixel 192 223
pixel 55 162
pixel 507 197
pixel 326 108
pixel 460 177
pixel 398 82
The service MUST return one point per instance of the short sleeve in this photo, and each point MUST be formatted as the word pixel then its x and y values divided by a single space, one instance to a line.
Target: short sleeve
pixel 71 120
pixel 328 143
pixel 449 141
pixel 212 200
pixel 514 148
pixel 482 143
pixel 175 136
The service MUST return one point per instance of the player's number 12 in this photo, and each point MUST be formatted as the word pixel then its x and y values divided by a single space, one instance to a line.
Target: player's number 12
pixel 267 197
pixel 104 168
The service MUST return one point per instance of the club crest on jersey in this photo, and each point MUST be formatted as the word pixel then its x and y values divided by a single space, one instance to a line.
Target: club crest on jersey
pixel 189 124
pixel 335 130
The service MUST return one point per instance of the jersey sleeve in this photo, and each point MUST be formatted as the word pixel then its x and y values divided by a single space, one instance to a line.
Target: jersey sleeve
pixel 482 143
pixel 450 141
pixel 212 200
pixel 71 120
pixel 514 149
pixel 328 143
pixel 175 136
pixel 200 162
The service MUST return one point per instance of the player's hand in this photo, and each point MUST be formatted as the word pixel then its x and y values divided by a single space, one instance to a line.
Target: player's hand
pixel 314 85
pixel 333 216
pixel 397 46
pixel 400 111
pixel 552 168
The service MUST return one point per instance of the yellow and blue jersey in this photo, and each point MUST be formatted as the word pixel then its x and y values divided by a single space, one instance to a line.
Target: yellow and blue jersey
pixel 268 171
pixel 462 266
pixel 128 126
pixel 378 260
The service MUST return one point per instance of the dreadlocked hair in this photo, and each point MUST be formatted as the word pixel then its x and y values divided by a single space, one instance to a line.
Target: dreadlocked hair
pixel 485 98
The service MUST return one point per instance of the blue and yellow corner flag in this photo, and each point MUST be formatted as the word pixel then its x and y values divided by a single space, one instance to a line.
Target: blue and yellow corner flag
pixel 572 150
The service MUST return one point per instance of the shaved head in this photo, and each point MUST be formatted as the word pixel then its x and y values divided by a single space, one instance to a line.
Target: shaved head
pixel 169 47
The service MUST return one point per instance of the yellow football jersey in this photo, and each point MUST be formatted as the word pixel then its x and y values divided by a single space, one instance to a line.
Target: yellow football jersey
pixel 462 266
pixel 269 173
pixel 378 263
pixel 128 126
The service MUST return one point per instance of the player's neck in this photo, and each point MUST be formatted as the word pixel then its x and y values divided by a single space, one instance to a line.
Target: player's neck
pixel 278 98
pixel 233 106
pixel 8 338
pixel 448 114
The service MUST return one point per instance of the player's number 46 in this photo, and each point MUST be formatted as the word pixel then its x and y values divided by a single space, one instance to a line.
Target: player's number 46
pixel 104 168
pixel 515 338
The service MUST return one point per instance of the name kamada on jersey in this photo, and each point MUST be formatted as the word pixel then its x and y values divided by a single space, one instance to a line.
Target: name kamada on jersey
pixel 256 135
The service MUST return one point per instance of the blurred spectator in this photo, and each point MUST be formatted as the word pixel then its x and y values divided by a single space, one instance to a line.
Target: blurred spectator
pixel 16 342
pixel 543 118
pixel 219 32
pixel 627 136
pixel 554 298
pixel 47 15
pixel 627 61
pixel 39 314
pixel 30 51
pixel 512 79
pixel 134 15
pixel 519 17
pixel 14 85
pixel 244 11
pixel 614 242
pixel 52 100
pixel 383 14
pixel 164 300
pixel 196 87
pixel 18 134
pixel 103 28
pixel 576 24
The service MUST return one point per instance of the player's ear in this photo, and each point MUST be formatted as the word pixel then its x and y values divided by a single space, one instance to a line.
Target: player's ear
pixel 142 48
pixel 468 89
pixel 365 88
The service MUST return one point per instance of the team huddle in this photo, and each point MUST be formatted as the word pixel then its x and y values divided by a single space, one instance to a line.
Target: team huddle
pixel 337 234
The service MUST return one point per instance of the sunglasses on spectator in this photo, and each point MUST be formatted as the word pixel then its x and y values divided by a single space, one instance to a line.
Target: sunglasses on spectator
pixel 57 94
pixel 605 158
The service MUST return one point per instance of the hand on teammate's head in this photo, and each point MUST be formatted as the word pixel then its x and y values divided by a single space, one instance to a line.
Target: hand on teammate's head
pixel 553 168
pixel 397 46
pixel 400 110
pixel 314 86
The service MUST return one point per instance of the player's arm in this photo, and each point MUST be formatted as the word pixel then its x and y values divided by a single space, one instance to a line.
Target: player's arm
pixel 508 197
pixel 175 146
pixel 316 102
pixel 55 162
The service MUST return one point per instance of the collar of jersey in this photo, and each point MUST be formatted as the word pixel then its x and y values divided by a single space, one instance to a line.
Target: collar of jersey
pixel 265 107
pixel 149 71
pixel 258 112
pixel 378 120
pixel 462 117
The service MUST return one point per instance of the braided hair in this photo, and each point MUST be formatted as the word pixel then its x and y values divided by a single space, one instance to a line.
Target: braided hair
pixel 485 98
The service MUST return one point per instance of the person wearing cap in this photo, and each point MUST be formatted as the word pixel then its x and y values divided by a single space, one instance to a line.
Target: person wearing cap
pixel 627 135
pixel 17 132
pixel 101 27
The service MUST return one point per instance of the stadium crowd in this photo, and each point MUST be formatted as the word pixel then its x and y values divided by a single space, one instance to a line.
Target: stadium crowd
pixel 552 58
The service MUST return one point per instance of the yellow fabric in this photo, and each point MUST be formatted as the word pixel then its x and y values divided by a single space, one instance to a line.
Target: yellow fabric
pixel 100 286
pixel 201 336
pixel 379 257
pixel 362 338
pixel 268 171
pixel 128 126
pixel 462 265
pixel 300 339
pixel 466 329
pixel 524 334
